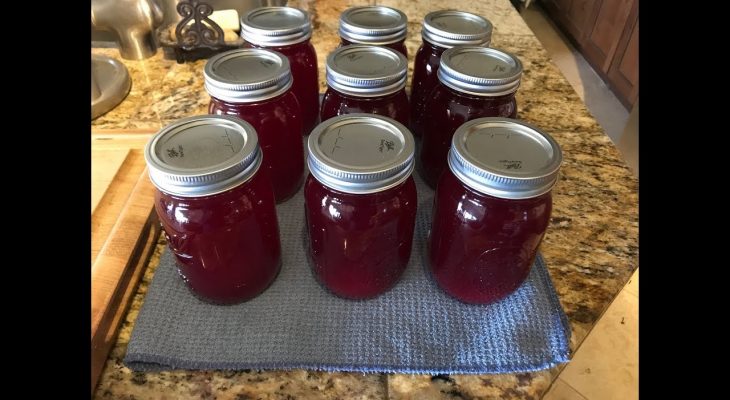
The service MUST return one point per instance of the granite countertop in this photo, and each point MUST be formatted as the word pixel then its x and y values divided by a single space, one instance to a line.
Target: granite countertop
pixel 591 247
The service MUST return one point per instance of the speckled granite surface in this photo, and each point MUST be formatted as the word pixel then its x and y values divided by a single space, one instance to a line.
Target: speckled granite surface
pixel 591 247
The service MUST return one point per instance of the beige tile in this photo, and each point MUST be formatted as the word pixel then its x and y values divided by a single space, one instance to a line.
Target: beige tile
pixel 562 391
pixel 606 364
pixel 633 285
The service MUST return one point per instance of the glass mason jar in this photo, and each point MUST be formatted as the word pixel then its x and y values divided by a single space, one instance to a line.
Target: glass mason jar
pixel 442 30
pixel 474 82
pixel 366 79
pixel 288 30
pixel 255 85
pixel 374 25
pixel 492 208
pixel 360 203
pixel 216 207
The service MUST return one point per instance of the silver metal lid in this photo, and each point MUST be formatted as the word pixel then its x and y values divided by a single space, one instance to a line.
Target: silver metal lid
pixel 449 28
pixel 361 153
pixel 276 26
pixel 505 158
pixel 247 75
pixel 376 25
pixel 480 71
pixel 366 71
pixel 203 155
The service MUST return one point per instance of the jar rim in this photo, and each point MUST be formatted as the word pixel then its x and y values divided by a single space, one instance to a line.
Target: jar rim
pixel 449 28
pixel 366 71
pixel 361 153
pixel 222 152
pixel 247 75
pixel 276 26
pixel 505 158
pixel 354 28
pixel 480 71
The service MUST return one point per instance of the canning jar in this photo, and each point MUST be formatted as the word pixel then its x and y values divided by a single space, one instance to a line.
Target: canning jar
pixel 442 30
pixel 474 82
pixel 360 203
pixel 216 207
pixel 374 25
pixel 255 85
pixel 288 30
pixel 491 208
pixel 366 79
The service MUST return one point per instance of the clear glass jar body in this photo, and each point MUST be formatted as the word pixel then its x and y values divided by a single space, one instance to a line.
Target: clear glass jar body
pixel 278 124
pixel 303 62
pixel 425 67
pixel 481 248
pixel 394 105
pixel 447 109
pixel 226 246
pixel 360 244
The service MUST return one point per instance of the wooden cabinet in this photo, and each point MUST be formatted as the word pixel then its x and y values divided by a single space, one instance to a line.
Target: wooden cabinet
pixel 576 17
pixel 607 33
pixel 623 73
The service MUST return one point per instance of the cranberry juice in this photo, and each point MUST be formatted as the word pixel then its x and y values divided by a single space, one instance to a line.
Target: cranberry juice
pixel 279 127
pixel 448 109
pixel 226 246
pixel 486 252
pixel 425 79
pixel 303 61
pixel 360 243
pixel 394 105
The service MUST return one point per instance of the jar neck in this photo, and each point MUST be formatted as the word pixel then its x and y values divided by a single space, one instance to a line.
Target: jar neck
pixel 363 98
pixel 500 98
pixel 289 47
pixel 232 192
pixel 252 103
pixel 387 193
pixel 474 194
pixel 433 48
pixel 377 43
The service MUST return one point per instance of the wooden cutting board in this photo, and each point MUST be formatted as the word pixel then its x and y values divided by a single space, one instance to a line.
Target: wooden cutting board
pixel 124 231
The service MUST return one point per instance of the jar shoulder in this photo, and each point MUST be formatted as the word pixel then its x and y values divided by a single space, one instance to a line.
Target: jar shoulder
pixel 283 107
pixel 476 207
pixel 238 203
pixel 332 202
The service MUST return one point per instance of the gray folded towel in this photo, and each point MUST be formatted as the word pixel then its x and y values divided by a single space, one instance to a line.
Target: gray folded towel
pixel 413 328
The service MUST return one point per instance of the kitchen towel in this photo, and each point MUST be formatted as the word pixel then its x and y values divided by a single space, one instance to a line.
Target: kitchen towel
pixel 295 323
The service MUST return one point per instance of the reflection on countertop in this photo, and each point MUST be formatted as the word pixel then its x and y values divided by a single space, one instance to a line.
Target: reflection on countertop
pixel 591 247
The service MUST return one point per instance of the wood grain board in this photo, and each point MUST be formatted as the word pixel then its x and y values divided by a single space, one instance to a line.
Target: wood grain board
pixel 124 230
pixel 106 164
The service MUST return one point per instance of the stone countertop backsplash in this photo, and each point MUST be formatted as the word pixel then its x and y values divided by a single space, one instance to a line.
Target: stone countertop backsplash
pixel 591 247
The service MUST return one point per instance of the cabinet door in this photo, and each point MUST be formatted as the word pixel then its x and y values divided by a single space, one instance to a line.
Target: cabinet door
pixel 574 16
pixel 557 5
pixel 600 45
pixel 580 17
pixel 623 74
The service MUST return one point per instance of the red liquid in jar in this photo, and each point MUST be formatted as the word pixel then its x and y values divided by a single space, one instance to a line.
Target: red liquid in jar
pixel 393 105
pixel 482 247
pixel 303 62
pixel 226 245
pixel 360 243
pixel 397 46
pixel 446 110
pixel 425 67
pixel 279 127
